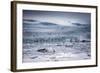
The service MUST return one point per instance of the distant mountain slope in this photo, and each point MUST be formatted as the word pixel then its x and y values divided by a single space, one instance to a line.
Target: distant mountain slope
pixel 37 30
pixel 38 25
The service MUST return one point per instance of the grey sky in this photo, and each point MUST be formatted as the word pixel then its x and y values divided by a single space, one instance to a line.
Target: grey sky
pixel 62 18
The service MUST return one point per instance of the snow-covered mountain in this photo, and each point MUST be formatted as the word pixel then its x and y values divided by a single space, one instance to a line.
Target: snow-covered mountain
pixel 34 28
pixel 46 41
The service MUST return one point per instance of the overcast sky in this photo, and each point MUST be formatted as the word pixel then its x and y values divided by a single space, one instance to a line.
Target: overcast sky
pixel 62 18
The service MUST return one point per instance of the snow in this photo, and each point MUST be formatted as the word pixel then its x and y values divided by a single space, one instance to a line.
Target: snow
pixel 62 53
pixel 60 43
